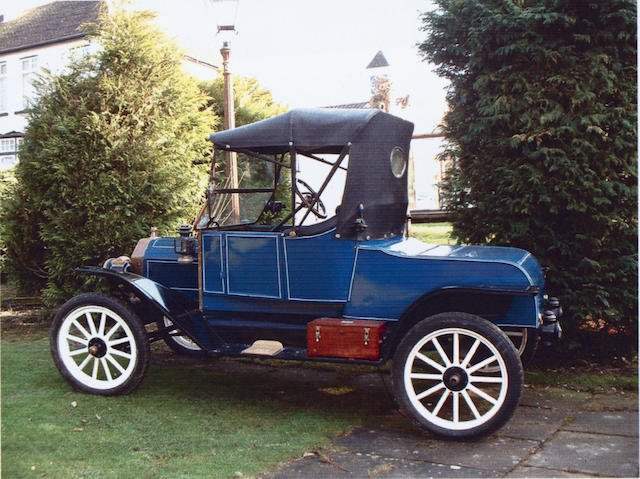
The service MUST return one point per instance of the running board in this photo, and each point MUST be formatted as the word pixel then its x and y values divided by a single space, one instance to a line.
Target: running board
pixel 264 348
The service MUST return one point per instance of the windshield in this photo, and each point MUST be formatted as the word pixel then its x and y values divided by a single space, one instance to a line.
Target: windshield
pixel 266 191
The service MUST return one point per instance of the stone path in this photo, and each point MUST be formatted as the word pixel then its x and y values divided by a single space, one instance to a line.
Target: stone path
pixel 554 433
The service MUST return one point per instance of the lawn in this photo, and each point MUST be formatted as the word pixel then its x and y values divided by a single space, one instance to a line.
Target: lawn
pixel 183 421
pixel 433 233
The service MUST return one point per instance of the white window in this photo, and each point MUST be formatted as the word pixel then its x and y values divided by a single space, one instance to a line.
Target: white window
pixel 7 145
pixel 29 67
pixel 8 161
pixel 3 87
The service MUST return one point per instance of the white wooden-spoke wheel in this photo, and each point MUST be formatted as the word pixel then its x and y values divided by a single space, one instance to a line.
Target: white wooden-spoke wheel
pixel 99 345
pixel 457 375
pixel 179 343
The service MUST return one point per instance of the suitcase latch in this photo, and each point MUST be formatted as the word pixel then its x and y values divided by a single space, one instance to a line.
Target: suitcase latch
pixel 366 336
pixel 317 334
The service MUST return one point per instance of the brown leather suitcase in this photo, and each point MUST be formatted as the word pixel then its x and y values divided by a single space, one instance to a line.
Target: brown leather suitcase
pixel 345 338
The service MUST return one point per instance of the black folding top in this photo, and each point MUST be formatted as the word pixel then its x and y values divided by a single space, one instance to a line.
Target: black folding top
pixel 311 130
pixel 371 135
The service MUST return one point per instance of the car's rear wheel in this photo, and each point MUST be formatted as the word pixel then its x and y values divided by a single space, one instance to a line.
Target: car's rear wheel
pixel 442 379
pixel 179 343
pixel 99 345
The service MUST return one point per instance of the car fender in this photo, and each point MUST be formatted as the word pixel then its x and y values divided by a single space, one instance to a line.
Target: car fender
pixel 159 299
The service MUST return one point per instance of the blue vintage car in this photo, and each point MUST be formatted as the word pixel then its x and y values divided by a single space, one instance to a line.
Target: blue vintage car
pixel 255 277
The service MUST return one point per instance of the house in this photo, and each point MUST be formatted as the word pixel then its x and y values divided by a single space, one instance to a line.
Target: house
pixel 48 36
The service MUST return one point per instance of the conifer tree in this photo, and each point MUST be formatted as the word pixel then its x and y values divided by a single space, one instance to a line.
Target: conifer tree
pixel 111 150
pixel 542 135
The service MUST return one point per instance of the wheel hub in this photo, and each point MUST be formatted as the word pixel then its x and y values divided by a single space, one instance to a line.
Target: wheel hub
pixel 455 378
pixel 97 347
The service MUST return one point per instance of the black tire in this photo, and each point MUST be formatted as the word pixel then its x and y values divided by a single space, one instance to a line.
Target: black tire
pixel 454 396
pixel 526 345
pixel 180 344
pixel 99 345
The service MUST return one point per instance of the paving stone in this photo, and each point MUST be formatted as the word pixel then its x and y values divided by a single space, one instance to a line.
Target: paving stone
pixel 412 469
pixel 389 443
pixel 623 423
pixel 554 398
pixel 538 414
pixel 533 423
pixel 361 465
pixel 492 453
pixel 624 401
pixel 527 471
pixel 589 453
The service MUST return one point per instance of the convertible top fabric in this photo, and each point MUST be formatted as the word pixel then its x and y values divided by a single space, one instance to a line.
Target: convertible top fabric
pixel 372 136
pixel 311 130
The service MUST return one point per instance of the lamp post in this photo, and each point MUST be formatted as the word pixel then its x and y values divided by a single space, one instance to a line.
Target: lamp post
pixel 226 12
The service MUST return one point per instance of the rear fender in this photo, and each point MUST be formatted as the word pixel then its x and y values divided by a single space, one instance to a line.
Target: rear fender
pixel 159 300
pixel 491 303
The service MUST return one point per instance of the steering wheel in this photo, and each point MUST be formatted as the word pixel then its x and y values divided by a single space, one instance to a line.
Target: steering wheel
pixel 307 198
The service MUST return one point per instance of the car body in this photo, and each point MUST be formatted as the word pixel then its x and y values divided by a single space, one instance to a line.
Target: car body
pixel 350 288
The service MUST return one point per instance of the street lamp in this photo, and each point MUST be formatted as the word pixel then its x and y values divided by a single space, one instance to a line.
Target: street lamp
pixel 226 13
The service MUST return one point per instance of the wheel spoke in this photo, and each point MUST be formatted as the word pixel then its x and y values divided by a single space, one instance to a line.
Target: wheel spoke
pixel 75 352
pixel 456 349
pixel 435 377
pixel 481 364
pixel 472 406
pixel 103 322
pixel 429 391
pixel 84 363
pixel 441 352
pixel 111 331
pixel 94 374
pixel 115 342
pixel 486 379
pixel 481 393
pixel 470 354
pixel 105 366
pixel 117 352
pixel 115 363
pixel 92 325
pixel 456 407
pixel 515 334
pixel 430 362
pixel 443 398
pixel 70 337
pixel 81 329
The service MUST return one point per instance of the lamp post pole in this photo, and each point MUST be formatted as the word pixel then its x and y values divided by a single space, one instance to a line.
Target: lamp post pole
pixel 231 158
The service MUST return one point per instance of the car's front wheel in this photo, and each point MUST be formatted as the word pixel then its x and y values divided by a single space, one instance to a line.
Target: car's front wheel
pixel 99 345
pixel 457 375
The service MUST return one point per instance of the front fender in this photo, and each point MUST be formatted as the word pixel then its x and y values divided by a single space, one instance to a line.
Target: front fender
pixel 182 311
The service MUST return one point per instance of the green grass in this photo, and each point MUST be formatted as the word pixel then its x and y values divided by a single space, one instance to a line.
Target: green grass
pixel 433 233
pixel 182 422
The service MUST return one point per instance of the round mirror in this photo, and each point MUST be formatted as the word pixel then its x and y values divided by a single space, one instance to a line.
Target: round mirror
pixel 398 162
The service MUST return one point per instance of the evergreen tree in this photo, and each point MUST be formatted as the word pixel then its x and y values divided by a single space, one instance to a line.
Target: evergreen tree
pixel 542 145
pixel 109 152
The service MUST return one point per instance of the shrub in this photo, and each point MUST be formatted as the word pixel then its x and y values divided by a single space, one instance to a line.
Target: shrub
pixel 108 153
pixel 543 146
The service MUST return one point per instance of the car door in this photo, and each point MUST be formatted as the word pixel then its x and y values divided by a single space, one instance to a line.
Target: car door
pixel 240 264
